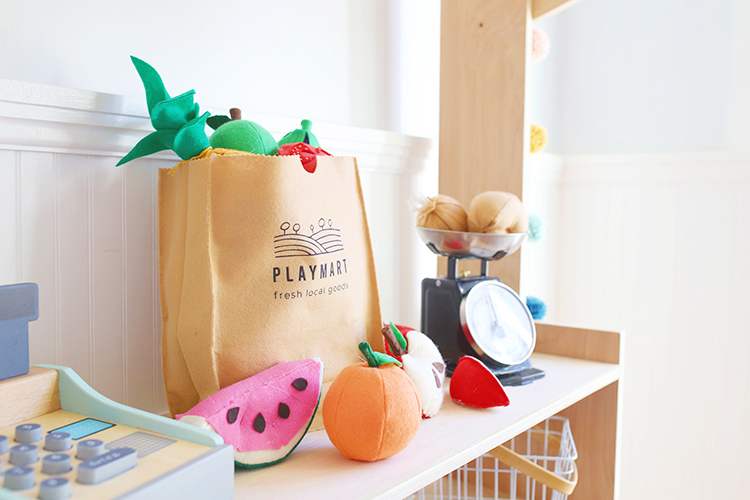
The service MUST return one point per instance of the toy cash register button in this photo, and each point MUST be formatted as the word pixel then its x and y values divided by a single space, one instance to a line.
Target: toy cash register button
pixel 28 433
pixel 57 488
pixel 19 478
pixel 3 444
pixel 24 454
pixel 58 441
pixel 56 463
pixel 109 465
pixel 89 449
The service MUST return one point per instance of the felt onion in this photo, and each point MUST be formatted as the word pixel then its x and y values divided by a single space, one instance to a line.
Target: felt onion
pixel 497 212
pixel 442 212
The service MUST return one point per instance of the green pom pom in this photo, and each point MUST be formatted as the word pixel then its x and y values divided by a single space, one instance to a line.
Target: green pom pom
pixel 303 134
pixel 537 228
pixel 244 135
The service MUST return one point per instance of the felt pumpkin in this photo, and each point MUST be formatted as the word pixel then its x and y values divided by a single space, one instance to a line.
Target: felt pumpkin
pixel 372 409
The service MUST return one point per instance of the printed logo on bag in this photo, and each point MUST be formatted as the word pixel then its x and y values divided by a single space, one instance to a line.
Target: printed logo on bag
pixel 322 241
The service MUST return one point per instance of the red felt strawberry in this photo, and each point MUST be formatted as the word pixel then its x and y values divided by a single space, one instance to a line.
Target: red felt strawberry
pixel 308 154
pixel 473 384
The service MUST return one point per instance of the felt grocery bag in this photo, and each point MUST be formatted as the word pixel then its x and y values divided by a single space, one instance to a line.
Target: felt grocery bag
pixel 261 261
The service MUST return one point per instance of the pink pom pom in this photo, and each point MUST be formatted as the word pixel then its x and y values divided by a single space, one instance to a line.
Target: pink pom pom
pixel 539 44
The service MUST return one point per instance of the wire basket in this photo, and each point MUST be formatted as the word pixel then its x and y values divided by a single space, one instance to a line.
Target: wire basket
pixel 538 464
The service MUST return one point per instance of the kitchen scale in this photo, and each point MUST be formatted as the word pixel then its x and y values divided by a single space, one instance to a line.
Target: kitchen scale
pixel 478 316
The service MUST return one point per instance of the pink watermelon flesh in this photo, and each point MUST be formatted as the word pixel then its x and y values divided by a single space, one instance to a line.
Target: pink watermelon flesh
pixel 265 416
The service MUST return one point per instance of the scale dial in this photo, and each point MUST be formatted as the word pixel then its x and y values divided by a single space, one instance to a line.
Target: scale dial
pixel 497 323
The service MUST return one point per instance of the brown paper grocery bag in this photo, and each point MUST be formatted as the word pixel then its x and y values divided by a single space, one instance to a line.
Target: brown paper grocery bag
pixel 260 262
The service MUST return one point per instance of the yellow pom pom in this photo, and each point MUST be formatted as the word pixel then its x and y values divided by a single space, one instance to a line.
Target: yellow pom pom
pixel 538 138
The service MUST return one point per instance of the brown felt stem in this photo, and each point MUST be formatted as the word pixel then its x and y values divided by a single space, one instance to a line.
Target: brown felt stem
pixel 396 348
pixel 235 113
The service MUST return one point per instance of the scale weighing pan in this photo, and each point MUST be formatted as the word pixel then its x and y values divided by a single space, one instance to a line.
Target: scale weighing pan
pixel 460 245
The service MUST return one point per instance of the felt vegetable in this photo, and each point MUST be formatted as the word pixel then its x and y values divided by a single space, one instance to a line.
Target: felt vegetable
pixel 497 212
pixel 303 134
pixel 308 154
pixel 371 411
pixel 441 212
pixel 242 135
pixel 473 384
pixel 421 361
pixel 175 119
pixel 264 416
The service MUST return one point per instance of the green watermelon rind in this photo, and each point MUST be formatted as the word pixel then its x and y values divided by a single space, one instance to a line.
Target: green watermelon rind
pixel 242 465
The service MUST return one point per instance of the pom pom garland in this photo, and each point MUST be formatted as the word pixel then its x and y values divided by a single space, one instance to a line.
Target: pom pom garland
pixel 540 44
pixel 539 138
pixel 537 307
pixel 537 228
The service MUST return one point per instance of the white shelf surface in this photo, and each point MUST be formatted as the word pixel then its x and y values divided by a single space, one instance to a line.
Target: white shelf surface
pixel 455 436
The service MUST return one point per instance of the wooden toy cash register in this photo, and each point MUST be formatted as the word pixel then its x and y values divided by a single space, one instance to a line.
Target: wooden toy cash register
pixel 60 439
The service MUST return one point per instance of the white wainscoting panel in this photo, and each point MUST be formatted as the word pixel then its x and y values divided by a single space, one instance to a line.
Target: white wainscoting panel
pixel 657 245
pixel 86 231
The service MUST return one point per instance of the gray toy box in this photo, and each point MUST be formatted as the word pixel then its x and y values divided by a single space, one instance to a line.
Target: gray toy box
pixel 19 304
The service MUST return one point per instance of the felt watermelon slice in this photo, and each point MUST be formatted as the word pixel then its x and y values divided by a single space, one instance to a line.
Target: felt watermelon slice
pixel 264 416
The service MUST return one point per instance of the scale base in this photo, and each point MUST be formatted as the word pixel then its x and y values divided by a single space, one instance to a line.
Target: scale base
pixel 510 376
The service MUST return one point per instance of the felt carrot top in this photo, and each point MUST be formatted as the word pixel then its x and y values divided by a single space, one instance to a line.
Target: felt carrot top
pixel 176 120
pixel 376 359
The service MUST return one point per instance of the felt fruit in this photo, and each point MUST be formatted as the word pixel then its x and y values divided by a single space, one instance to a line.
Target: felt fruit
pixel 242 135
pixel 308 154
pixel 421 361
pixel 371 411
pixel 473 384
pixel 497 212
pixel 441 212
pixel 303 134
pixel 264 416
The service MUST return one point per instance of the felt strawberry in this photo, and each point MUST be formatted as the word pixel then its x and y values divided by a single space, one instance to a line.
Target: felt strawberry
pixel 473 384
pixel 308 154
pixel 421 361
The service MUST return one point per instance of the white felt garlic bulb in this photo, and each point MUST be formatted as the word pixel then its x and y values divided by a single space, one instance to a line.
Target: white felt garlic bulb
pixel 497 212
pixel 442 212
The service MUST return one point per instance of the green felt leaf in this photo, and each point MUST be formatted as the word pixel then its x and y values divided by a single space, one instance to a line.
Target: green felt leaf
pixel 399 337
pixel 191 139
pixel 152 143
pixel 375 359
pixel 175 112
pixel 152 82
pixel 217 121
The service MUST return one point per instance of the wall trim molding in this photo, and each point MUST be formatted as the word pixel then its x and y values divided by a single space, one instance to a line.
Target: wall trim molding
pixel 38 117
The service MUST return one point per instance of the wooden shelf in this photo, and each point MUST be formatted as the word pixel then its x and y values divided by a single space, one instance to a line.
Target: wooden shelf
pixel 457 435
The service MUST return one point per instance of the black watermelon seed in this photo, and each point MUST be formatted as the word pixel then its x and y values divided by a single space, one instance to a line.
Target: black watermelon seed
pixel 259 424
pixel 232 414
pixel 300 384
pixel 283 410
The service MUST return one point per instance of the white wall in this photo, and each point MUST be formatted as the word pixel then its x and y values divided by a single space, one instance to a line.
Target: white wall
pixel 654 224
pixel 643 75
pixel 322 60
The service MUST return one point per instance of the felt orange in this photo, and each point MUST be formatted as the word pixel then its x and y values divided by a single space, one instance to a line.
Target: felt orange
pixel 372 412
